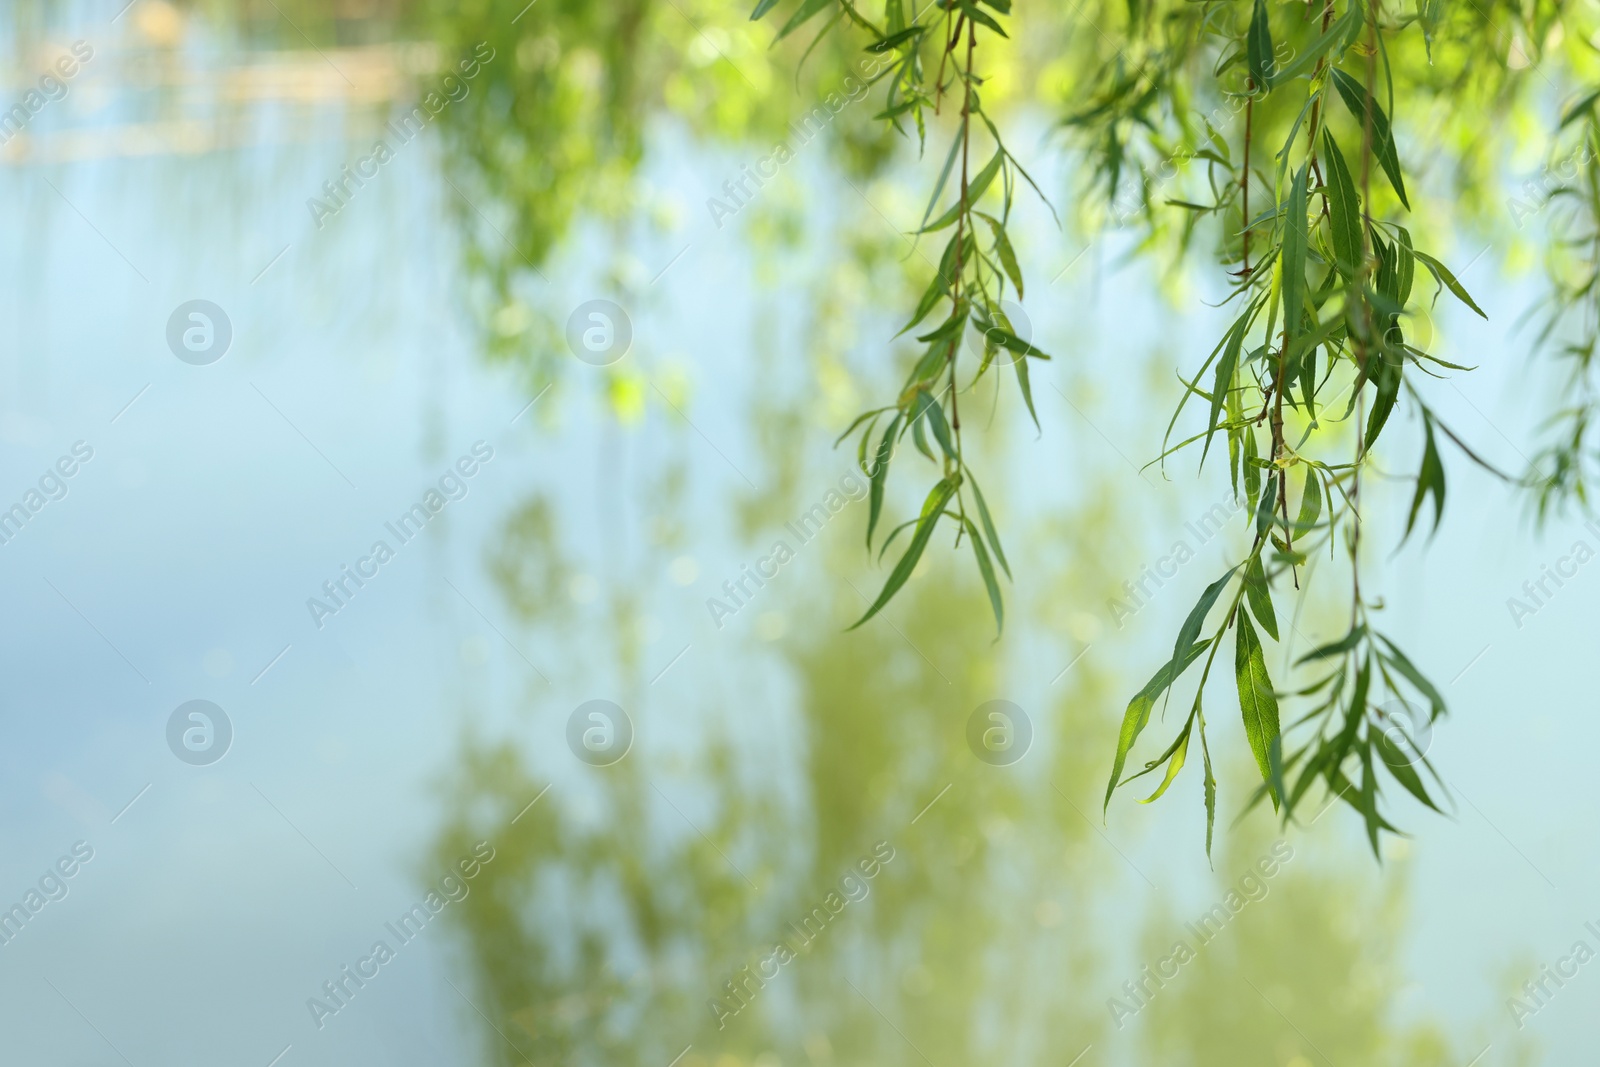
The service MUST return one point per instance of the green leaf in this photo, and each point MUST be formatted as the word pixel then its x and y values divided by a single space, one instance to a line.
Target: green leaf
pixel 944 176
pixel 1175 759
pixel 919 432
pixel 1223 383
pixel 894 39
pixel 1258 47
pixel 1344 210
pixel 1269 503
pixel 1260 596
pixel 1310 504
pixel 932 509
pixel 935 292
pixel 1003 249
pixel 975 189
pixel 1369 800
pixel 807 11
pixel 981 18
pixel 1021 366
pixel 1442 275
pixel 762 8
pixel 1399 662
pixel 1308 774
pixel 1335 648
pixel 925 407
pixel 1430 480
pixel 1139 708
pixel 1012 343
pixel 880 474
pixel 986 569
pixel 1257 701
pixel 1405 265
pixel 1197 615
pixel 988 525
pixel 1252 473
pixel 1386 380
pixel 1354 95
pixel 1337 37
pixel 1294 258
pixel 1401 768
pixel 1431 14
pixel 1578 110
pixel 1211 780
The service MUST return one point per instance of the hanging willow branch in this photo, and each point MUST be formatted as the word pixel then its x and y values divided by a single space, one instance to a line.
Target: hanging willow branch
pixel 968 282
pixel 1317 353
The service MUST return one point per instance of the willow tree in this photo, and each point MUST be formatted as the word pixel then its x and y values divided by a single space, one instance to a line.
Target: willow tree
pixel 1277 132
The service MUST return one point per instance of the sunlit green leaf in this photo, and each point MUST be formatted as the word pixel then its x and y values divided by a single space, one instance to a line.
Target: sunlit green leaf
pixel 1354 95
pixel 1139 708
pixel 1257 702
pixel 1260 596
pixel 932 509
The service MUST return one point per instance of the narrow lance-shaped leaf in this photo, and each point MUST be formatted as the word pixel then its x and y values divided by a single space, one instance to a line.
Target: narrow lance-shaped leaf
pixel 932 509
pixel 1400 765
pixel 1258 46
pixel 1398 660
pixel 1257 702
pixel 1224 379
pixel 1338 36
pixel 1197 616
pixel 1294 261
pixel 808 10
pixel 1310 504
pixel 1260 596
pixel 1344 209
pixel 1252 473
pixel 944 174
pixel 1430 481
pixel 986 569
pixel 1369 799
pixel 988 526
pixel 1269 501
pixel 1405 264
pixel 1175 760
pixel 1003 249
pixel 1211 779
pixel 1354 95
pixel 1021 364
pixel 1139 708
pixel 1442 274
pixel 880 474
pixel 975 189
pixel 1335 648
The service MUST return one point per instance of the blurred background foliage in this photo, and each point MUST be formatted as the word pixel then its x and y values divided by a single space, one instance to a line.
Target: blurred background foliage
pixel 609 918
